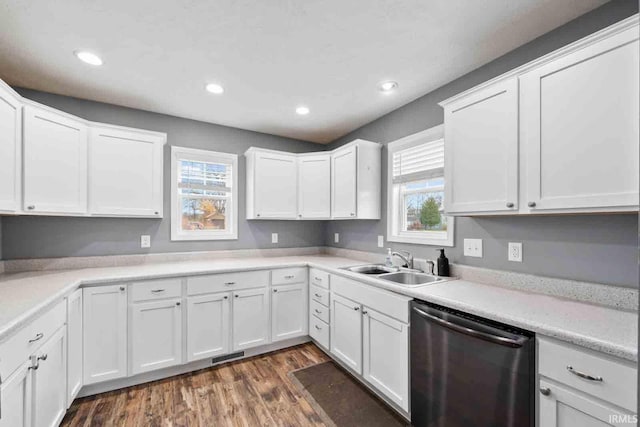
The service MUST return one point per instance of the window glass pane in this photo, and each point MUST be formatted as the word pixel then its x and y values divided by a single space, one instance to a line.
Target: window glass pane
pixel 203 214
pixel 422 211
pixel 203 178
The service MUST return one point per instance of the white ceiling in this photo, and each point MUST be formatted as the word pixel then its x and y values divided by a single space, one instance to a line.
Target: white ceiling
pixel 270 55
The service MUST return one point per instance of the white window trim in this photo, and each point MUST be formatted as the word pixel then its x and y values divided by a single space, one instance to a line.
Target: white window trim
pixel 183 153
pixel 425 136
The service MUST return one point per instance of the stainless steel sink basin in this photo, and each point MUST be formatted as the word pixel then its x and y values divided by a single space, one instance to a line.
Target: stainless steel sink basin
pixel 373 269
pixel 410 278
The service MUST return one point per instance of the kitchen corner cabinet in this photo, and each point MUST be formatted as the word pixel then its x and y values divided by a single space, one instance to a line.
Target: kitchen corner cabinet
pixel 346 332
pixel 356 180
pixel 55 163
pixel 557 135
pixel 104 333
pixel 125 172
pixel 271 185
pixel 10 149
pixel 208 325
pixel 74 345
pixel 250 318
pixel 314 186
pixel 288 311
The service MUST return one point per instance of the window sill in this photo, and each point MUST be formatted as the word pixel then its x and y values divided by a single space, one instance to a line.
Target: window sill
pixel 196 237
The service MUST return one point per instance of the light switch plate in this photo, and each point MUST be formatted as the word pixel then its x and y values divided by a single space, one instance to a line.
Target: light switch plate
pixel 380 241
pixel 145 241
pixel 336 238
pixel 515 251
pixel 473 248
pixel 274 237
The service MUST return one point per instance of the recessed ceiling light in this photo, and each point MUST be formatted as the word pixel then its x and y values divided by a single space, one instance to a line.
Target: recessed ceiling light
pixel 88 57
pixel 388 86
pixel 215 88
pixel 302 110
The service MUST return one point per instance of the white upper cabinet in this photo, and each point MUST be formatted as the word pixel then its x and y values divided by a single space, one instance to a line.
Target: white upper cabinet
pixel 343 182
pixel 125 172
pixel 271 185
pixel 10 149
pixel 557 135
pixel 481 150
pixel 580 128
pixel 314 186
pixel 55 162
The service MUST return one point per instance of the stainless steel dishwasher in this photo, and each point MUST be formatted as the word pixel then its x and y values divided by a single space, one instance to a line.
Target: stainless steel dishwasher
pixel 469 371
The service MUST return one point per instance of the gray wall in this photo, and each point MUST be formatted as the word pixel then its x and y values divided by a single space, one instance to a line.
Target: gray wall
pixel 34 237
pixel 598 248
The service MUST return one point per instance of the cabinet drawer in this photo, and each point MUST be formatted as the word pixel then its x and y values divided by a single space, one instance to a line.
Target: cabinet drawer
pixel 156 289
pixel 319 331
pixel 198 285
pixel 619 379
pixel 17 349
pixel 319 277
pixel 320 295
pixel 288 275
pixel 320 311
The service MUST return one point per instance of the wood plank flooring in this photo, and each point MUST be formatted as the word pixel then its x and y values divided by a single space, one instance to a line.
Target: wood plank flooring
pixel 250 392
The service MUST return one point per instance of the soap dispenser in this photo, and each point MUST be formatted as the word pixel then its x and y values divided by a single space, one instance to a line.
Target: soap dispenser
pixel 388 261
pixel 443 264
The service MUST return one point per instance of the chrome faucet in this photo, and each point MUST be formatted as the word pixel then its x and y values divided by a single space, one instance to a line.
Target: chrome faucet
pixel 405 256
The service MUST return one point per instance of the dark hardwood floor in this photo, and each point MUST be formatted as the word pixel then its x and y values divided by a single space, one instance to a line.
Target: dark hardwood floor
pixel 250 392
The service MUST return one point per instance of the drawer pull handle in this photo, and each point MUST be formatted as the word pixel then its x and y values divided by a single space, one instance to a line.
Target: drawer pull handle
pixel 290 276
pixel 317 311
pixel 318 327
pixel 319 279
pixel 545 391
pixel 318 295
pixel 229 283
pixel 38 337
pixel 156 291
pixel 583 375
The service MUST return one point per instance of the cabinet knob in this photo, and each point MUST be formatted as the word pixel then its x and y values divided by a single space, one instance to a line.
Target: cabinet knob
pixel 353 214
pixel 226 297
pixel 257 214
pixel 275 290
pixel 545 391
pixel 364 312
pixel 531 204
pixel 35 367
pixel 299 215
pixel 177 303
pixel 356 308
pixel 237 296
pixel 43 357
pixel 122 288
pixel 157 213
pixel 31 207
pixel 510 205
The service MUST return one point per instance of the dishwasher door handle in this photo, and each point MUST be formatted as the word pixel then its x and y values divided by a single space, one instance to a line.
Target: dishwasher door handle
pixel 497 339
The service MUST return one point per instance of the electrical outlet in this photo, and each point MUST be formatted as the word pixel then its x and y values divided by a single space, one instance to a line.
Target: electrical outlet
pixel 336 238
pixel 515 251
pixel 145 241
pixel 380 241
pixel 274 237
pixel 473 247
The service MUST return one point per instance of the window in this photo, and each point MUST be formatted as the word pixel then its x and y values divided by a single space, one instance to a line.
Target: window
pixel 415 190
pixel 204 195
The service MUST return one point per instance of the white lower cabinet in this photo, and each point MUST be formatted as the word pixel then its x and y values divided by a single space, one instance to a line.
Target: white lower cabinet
pixel 104 333
pixel 49 382
pixel 155 335
pixel 385 354
pixel 208 330
pixel 564 407
pixel 15 398
pixel 250 318
pixel 346 332
pixel 74 345
pixel 288 311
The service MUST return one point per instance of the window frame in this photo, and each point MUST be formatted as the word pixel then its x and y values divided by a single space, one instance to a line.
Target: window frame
pixel 192 154
pixel 395 197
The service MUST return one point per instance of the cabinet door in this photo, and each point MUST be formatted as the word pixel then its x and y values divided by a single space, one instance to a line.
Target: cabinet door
pixel 125 173
pixel 580 128
pixel 386 356
pixel 275 180
pixel 343 183
pixel 481 150
pixel 314 187
pixel 55 163
pixel 104 324
pixel 563 407
pixel 346 332
pixel 10 150
pixel 74 345
pixel 49 381
pixel 155 335
pixel 15 398
pixel 207 326
pixel 288 311
pixel 250 318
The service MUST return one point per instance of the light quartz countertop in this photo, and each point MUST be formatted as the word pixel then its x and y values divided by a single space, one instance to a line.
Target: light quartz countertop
pixel 23 296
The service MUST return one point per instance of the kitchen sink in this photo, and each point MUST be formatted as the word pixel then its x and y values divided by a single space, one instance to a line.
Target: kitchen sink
pixel 410 278
pixel 373 269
